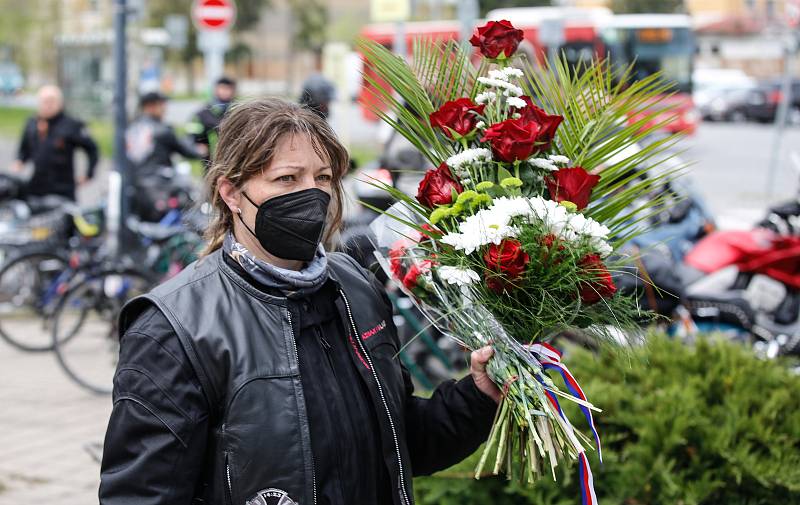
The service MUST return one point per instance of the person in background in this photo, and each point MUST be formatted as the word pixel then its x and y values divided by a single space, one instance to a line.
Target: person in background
pixel 150 142
pixel 49 140
pixel 203 127
pixel 318 92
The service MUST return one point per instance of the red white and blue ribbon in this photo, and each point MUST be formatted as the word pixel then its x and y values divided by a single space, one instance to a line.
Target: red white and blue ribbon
pixel 550 358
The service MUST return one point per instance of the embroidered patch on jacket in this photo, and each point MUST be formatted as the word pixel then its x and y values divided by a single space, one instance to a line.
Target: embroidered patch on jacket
pixel 358 353
pixel 373 331
pixel 271 496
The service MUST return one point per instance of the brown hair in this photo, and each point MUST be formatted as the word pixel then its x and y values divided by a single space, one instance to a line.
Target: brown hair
pixel 248 137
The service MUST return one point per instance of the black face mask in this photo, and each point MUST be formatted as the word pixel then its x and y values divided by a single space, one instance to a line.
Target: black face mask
pixel 290 226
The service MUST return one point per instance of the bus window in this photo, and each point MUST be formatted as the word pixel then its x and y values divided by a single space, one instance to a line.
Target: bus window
pixel 657 49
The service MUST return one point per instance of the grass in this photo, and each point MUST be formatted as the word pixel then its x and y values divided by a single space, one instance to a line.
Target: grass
pixel 12 120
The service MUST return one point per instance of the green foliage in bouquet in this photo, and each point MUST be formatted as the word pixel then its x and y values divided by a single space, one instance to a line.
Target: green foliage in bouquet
pixel 604 117
pixel 707 425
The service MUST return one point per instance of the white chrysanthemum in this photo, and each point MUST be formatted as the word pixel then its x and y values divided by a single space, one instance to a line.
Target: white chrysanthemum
pixel 499 75
pixel 480 125
pixel 512 72
pixel 543 163
pixel 515 102
pixel 493 225
pixel 509 89
pixel 491 82
pixel 602 247
pixel 485 97
pixel 468 157
pixel 487 226
pixel 511 207
pixel 559 159
pixel 458 276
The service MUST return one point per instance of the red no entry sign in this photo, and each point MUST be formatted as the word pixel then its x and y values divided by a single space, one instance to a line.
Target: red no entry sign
pixel 213 14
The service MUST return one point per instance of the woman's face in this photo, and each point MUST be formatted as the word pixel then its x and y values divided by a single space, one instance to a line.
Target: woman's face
pixel 295 166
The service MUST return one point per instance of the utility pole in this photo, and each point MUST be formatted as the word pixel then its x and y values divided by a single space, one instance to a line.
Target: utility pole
pixel 117 196
pixel 790 46
pixel 468 12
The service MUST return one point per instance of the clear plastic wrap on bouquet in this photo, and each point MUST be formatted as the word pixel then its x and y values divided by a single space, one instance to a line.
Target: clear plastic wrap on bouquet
pixel 530 397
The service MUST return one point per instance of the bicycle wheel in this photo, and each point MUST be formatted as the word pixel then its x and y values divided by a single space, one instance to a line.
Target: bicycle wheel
pixel 29 285
pixel 84 335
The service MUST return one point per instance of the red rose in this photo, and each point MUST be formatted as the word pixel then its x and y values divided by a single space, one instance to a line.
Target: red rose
pixel 571 184
pixel 417 270
pixel 458 116
pixel 507 258
pixel 396 261
pixel 436 188
pixel 548 123
pixel 432 232
pixel 497 39
pixel 512 139
pixel 550 242
pixel 498 284
pixel 601 286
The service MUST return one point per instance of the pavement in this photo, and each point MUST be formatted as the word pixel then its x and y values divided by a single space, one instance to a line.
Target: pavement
pixel 51 430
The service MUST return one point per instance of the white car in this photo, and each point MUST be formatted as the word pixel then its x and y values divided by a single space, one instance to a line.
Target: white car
pixel 721 94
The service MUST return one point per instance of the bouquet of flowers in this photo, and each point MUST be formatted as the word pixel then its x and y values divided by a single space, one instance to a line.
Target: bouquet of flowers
pixel 509 240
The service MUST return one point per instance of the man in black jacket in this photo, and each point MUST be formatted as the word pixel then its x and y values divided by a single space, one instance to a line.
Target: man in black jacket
pixel 203 127
pixel 49 140
pixel 150 142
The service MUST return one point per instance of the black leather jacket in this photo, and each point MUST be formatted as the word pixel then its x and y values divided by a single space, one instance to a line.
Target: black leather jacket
pixel 51 147
pixel 241 345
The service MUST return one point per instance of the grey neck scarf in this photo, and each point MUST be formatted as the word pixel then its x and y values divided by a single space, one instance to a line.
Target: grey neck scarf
pixel 293 283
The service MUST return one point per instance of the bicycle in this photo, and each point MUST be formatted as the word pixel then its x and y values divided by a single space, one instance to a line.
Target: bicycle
pixel 84 323
pixel 35 275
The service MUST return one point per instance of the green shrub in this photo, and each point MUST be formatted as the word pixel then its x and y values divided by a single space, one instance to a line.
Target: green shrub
pixel 707 425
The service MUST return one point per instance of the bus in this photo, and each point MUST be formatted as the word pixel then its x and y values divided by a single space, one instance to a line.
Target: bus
pixel 648 42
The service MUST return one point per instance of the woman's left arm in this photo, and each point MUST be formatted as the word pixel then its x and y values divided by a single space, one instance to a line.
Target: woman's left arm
pixel 450 425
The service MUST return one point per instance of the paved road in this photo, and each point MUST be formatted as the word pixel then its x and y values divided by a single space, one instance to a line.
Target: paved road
pixel 732 166
pixel 49 429
pixel 47 423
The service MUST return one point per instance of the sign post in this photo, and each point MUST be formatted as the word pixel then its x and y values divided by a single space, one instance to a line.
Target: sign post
pixel 393 11
pixel 213 20
pixel 117 190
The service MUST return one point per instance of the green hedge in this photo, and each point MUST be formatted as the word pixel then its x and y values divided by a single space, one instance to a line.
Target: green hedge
pixel 708 425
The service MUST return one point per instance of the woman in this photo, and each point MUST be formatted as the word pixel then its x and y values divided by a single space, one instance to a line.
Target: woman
pixel 266 372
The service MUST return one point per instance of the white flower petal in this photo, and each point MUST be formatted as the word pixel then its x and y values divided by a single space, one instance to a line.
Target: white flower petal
pixel 458 276
pixel 559 159
pixel 543 163
pixel 515 102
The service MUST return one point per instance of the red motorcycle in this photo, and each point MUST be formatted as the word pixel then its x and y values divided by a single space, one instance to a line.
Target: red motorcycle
pixel 746 283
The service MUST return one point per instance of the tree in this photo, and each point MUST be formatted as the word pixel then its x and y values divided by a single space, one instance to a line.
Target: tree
pixel 311 21
pixel 487 5
pixel 647 6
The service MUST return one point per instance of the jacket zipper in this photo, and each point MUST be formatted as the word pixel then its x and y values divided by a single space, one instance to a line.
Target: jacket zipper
pixel 326 347
pixel 383 398
pixel 297 356
pixel 228 478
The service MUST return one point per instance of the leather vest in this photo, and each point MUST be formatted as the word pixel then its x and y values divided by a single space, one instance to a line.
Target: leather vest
pixel 241 344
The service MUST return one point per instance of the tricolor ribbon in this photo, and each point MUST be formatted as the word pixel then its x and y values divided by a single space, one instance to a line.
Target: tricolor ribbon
pixel 550 358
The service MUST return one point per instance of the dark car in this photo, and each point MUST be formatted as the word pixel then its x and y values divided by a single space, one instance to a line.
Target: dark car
pixel 762 103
